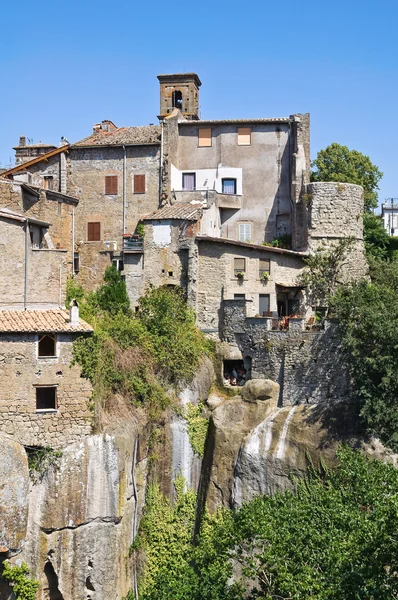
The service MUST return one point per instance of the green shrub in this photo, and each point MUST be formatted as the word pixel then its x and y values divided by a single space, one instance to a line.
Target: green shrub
pixel 198 425
pixel 23 587
pixel 40 459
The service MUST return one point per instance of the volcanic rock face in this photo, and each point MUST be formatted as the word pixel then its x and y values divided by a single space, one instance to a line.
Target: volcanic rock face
pixel 14 485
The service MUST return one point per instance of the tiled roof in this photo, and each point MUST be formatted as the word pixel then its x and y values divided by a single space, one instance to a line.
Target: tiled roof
pixel 6 213
pixel 186 212
pixel 44 321
pixel 148 134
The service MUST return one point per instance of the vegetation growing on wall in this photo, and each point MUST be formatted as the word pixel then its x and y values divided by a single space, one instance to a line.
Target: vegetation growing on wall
pixel 137 355
pixel 334 537
pixel 198 425
pixel 23 587
pixel 40 459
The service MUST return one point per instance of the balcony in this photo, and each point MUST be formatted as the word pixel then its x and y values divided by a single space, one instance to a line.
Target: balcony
pixel 133 244
pixel 208 197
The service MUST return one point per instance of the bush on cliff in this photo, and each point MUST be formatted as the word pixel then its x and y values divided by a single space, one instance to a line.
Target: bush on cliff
pixel 137 355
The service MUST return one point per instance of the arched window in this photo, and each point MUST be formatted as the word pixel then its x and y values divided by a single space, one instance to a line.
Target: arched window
pixel 177 99
pixel 47 346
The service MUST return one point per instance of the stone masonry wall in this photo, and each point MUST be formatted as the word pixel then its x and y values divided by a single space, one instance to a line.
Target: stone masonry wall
pixel 308 365
pixel 20 371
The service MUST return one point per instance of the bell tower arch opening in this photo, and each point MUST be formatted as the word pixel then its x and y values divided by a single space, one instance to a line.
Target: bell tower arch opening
pixel 179 90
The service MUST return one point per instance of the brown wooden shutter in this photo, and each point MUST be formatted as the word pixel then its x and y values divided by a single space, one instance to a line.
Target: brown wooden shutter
pixel 139 184
pixel 111 184
pixel 244 136
pixel 93 232
pixel 204 138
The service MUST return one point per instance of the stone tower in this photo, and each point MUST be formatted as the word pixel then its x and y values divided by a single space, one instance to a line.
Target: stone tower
pixel 181 91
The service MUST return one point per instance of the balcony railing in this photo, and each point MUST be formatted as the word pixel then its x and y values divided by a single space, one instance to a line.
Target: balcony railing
pixel 133 243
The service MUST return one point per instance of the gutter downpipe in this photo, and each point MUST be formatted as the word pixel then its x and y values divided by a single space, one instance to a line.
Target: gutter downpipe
pixel 124 188
pixel 25 293
pixel 161 163
pixel 73 241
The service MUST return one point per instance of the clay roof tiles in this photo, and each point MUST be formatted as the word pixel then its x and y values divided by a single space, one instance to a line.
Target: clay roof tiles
pixel 148 134
pixel 54 320
pixel 186 212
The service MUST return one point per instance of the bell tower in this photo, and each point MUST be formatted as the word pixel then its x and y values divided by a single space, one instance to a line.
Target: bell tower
pixel 181 91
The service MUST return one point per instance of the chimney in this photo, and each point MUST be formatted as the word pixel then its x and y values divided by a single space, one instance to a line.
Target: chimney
pixel 97 127
pixel 74 312
pixel 108 125
pixel 22 140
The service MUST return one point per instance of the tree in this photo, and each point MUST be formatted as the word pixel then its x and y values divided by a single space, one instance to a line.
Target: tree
pixel 339 163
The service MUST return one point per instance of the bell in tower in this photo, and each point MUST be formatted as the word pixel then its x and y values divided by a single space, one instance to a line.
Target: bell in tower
pixel 181 91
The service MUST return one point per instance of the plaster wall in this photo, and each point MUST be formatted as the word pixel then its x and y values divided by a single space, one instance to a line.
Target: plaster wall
pixel 20 371
pixel 265 179
pixel 208 179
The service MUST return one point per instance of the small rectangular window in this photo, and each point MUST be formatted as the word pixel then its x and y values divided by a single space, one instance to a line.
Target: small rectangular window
pixel 46 398
pixel 239 265
pixel 239 296
pixel 204 137
pixel 47 346
pixel 264 266
pixel 245 232
pixel 93 232
pixel 111 182
pixel 48 182
pixel 229 186
pixel 263 305
pixel 76 262
pixel 139 184
pixel 188 182
pixel 244 136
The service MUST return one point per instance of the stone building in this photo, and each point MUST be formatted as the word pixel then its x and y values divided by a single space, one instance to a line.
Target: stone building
pixel 43 400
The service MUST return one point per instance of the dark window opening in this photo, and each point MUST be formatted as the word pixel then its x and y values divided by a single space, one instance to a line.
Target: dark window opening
pixel 76 262
pixel 47 346
pixel 188 182
pixel 177 99
pixel 46 398
pixel 48 182
pixel 229 186
pixel 236 372
pixel 170 273
pixel 264 305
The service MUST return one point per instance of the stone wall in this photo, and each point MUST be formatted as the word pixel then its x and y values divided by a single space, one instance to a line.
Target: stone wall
pixel 308 365
pixel 216 280
pixel 47 269
pixel 20 371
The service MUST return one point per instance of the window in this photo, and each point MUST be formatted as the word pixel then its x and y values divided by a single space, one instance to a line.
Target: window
pixel 139 184
pixel 46 397
pixel 244 136
pixel 239 265
pixel 176 99
pixel 264 267
pixel 239 296
pixel 48 182
pixel 93 232
pixel 188 182
pixel 229 186
pixel 111 184
pixel 245 232
pixel 76 262
pixel 204 138
pixel 263 305
pixel 47 346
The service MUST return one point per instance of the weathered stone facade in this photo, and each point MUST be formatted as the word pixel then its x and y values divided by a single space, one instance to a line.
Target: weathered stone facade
pixel 308 365
pixel 21 371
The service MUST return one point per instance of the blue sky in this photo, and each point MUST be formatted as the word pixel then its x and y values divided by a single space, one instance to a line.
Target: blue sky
pixel 68 65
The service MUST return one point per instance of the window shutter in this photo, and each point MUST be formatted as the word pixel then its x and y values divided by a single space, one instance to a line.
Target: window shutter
pixel 264 265
pixel 245 232
pixel 204 137
pixel 239 265
pixel 244 136
pixel 139 184
pixel 97 231
pixel 93 232
pixel 111 184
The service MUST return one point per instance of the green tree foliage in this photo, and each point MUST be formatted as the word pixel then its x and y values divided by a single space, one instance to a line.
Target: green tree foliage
pixel 339 163
pixel 334 537
pixel 23 586
pixel 377 240
pixel 198 425
pixel 323 272
pixel 368 317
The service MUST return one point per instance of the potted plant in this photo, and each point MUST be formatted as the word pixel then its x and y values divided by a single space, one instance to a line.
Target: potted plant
pixel 240 275
pixel 264 276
